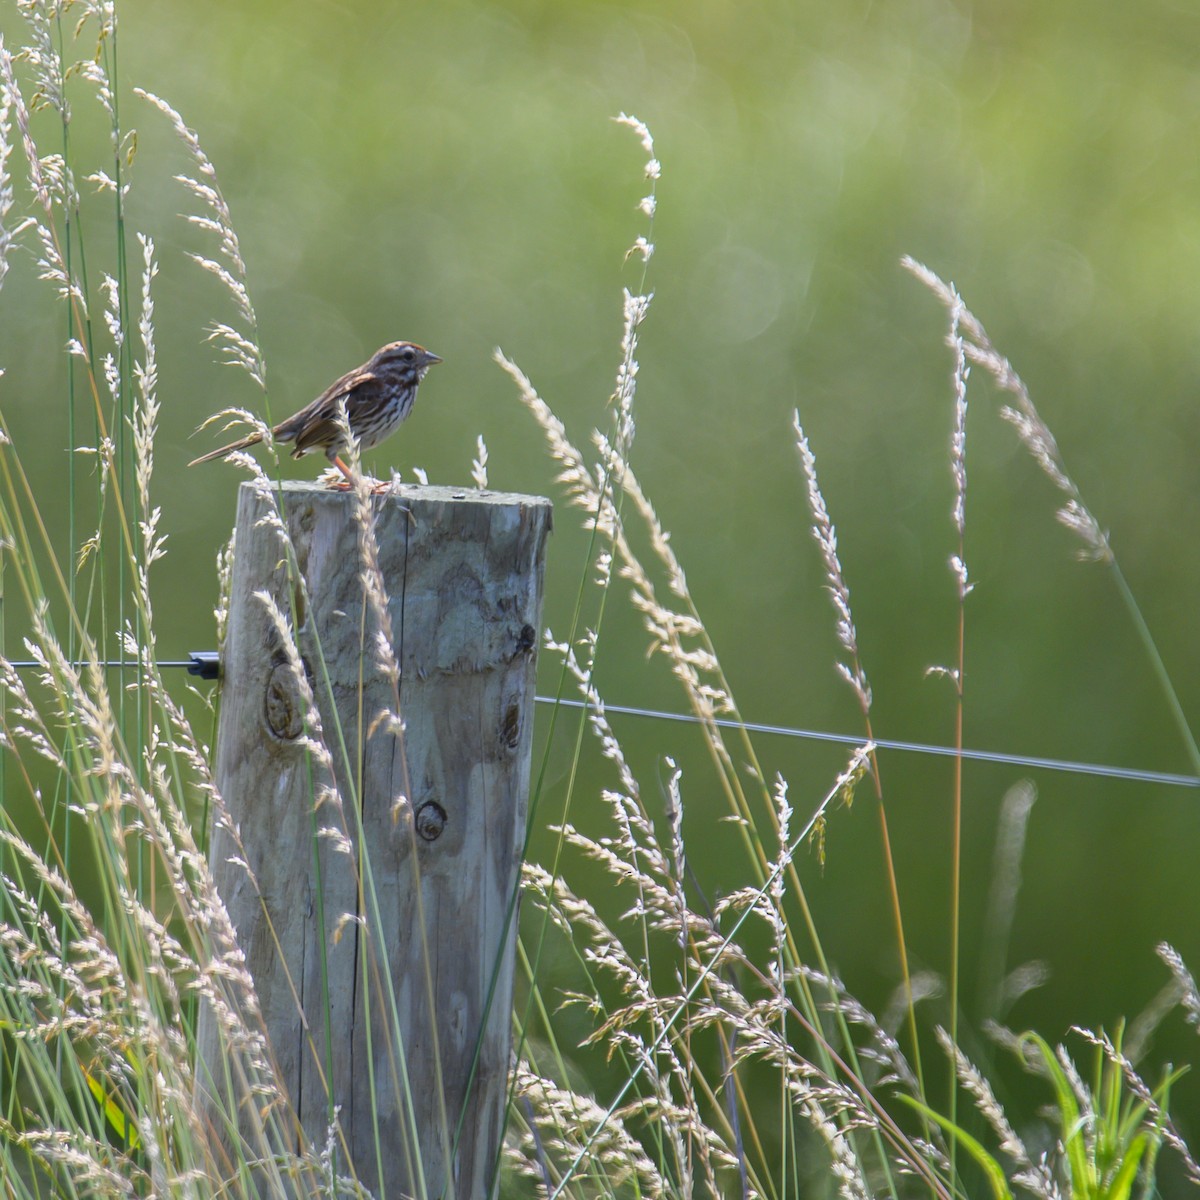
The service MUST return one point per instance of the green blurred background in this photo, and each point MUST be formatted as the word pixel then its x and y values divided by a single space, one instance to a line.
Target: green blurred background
pixel 448 172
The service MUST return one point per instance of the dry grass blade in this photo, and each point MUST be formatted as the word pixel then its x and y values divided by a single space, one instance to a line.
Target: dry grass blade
pixel 1022 413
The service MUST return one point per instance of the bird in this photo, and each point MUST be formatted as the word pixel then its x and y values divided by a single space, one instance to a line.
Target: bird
pixel 378 396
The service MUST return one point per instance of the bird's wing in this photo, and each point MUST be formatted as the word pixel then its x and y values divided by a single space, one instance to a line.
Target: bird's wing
pixel 318 433
pixel 364 396
pixel 315 425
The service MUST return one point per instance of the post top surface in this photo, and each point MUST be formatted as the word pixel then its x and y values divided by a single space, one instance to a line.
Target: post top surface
pixel 310 489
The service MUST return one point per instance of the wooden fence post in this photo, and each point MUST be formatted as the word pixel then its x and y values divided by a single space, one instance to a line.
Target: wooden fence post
pixel 403 968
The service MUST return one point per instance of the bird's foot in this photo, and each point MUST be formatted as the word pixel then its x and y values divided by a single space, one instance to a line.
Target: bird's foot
pixel 339 479
pixel 334 480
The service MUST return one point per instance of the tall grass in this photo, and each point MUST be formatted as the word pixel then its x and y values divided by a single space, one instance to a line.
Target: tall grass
pixel 727 1057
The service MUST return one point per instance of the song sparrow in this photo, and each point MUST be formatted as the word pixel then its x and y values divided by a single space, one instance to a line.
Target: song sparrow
pixel 378 396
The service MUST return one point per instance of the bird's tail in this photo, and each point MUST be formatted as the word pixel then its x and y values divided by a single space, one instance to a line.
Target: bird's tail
pixel 241 444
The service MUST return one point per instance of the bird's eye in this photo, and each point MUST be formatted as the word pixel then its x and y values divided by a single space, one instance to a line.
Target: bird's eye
pixel 409 354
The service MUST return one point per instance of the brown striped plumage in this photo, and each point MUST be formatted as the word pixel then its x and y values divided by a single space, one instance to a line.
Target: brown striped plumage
pixel 378 396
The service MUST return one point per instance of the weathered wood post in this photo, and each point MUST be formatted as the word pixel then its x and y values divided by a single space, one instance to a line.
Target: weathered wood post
pixel 396 943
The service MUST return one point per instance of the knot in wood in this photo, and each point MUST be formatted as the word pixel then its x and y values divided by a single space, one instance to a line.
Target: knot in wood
pixel 431 820
pixel 510 726
pixel 283 708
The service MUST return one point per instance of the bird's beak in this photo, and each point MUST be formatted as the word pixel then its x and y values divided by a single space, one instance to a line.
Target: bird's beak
pixel 431 358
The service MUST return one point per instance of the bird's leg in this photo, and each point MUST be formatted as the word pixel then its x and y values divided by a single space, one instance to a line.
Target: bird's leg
pixel 345 470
